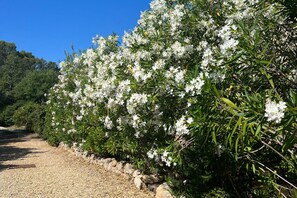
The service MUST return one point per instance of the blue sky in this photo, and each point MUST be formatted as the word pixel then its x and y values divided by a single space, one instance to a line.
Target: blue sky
pixel 49 27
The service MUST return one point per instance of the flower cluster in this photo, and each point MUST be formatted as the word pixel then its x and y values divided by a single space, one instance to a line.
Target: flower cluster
pixel 274 111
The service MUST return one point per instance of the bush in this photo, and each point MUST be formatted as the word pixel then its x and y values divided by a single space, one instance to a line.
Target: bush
pixel 203 92
pixel 31 115
pixel 6 115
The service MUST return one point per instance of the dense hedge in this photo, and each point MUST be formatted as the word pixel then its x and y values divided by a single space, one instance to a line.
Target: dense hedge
pixel 203 92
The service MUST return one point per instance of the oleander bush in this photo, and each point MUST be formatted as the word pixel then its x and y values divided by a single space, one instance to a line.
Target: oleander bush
pixel 201 91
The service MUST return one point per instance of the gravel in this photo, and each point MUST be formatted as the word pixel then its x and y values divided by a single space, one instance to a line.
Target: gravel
pixel 29 167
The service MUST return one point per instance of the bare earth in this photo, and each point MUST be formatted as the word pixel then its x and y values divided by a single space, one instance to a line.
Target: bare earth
pixel 29 167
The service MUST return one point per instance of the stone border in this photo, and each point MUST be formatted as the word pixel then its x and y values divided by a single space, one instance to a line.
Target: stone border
pixel 153 183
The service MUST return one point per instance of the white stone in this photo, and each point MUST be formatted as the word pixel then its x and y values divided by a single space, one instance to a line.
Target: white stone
pixel 92 157
pixel 136 173
pixel 163 191
pixel 120 166
pixel 138 183
pixel 113 163
pixel 128 169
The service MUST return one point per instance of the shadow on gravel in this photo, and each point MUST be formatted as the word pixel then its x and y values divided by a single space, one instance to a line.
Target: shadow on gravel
pixel 12 135
pixel 7 152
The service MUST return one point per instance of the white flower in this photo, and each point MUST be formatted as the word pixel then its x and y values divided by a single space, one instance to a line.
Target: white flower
pixel 178 50
pixel 111 103
pixel 207 58
pixel 152 153
pixel 139 73
pixel 159 64
pixel 181 126
pixel 79 118
pixel 195 86
pixel 274 111
pixel 229 44
pixel 135 101
pixel 124 86
pixel 190 120
pixel 166 158
pixel 179 76
pixel 108 123
pixel 158 5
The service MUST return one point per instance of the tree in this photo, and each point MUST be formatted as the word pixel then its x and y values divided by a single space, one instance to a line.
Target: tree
pixel 35 84
pixel 5 49
pixel 23 78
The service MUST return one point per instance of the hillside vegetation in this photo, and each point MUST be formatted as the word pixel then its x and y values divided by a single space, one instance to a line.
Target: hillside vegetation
pixel 24 80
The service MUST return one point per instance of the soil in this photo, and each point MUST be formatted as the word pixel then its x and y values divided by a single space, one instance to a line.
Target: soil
pixel 29 167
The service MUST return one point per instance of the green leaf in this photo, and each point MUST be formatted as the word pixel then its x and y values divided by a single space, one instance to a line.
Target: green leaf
pixel 271 82
pixel 293 97
pixel 213 134
pixel 229 103
pixel 289 142
pixel 216 91
pixel 236 145
pixel 254 168
pixel 268 76
pixel 230 136
pixel 258 130
pixel 244 128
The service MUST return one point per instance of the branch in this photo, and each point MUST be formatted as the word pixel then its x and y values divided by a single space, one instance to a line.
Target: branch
pixel 274 172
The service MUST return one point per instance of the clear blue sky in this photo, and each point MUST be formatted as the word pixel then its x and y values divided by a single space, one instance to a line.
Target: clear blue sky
pixel 49 27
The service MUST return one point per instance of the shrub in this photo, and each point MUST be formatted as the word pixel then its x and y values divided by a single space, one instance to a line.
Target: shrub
pixel 6 115
pixel 203 92
pixel 31 115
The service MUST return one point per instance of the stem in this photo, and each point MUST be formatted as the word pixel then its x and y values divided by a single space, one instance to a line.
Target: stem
pixel 273 172
pixel 277 152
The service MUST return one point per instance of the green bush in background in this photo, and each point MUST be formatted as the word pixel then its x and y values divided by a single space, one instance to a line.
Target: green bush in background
pixel 24 81
pixel 31 115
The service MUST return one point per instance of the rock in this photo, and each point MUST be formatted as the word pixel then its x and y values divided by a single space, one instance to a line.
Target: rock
pixel 152 187
pixel 66 146
pixel 85 155
pixel 113 163
pixel 92 157
pixel 136 173
pixel 128 169
pixel 139 183
pixel 99 162
pixel 120 166
pixel 61 145
pixel 105 165
pixel 107 160
pixel 151 179
pixel 78 154
pixel 163 191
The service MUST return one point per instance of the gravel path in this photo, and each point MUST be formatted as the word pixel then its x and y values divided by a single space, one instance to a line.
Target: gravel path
pixel 29 167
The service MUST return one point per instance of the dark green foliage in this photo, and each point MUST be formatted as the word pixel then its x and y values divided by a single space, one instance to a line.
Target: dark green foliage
pixel 34 85
pixel 31 116
pixel 24 81
pixel 291 8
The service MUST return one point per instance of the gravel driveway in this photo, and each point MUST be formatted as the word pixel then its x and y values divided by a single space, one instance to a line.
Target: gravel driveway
pixel 29 167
